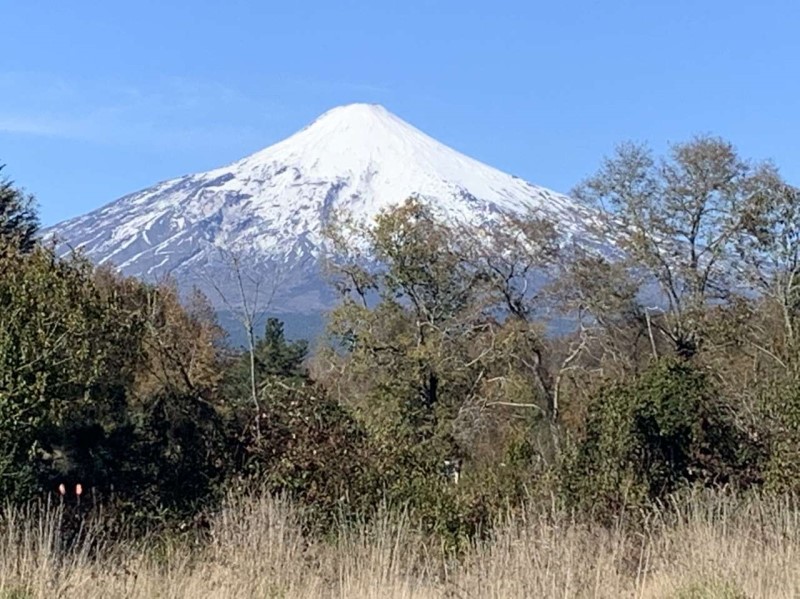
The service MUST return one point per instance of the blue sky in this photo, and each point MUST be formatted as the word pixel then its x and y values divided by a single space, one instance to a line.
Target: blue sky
pixel 98 99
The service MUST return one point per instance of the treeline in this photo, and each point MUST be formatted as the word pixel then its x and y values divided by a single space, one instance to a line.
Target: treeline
pixel 464 372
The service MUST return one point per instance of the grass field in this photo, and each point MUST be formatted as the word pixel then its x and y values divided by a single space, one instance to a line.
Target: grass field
pixel 703 545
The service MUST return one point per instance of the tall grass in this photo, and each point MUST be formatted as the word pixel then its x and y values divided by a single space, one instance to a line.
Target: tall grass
pixel 699 545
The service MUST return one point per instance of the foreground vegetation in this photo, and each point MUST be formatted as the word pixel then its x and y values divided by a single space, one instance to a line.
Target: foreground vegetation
pixel 446 405
pixel 709 546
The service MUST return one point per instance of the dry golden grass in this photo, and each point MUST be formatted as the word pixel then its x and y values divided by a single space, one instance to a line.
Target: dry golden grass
pixel 707 545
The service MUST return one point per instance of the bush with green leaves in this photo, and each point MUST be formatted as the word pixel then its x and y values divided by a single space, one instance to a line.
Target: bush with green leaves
pixel 779 420
pixel 309 447
pixel 58 352
pixel 649 436
pixel 104 382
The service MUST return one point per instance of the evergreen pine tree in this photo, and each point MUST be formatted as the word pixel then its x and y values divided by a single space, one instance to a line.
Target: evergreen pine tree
pixel 276 356
pixel 19 222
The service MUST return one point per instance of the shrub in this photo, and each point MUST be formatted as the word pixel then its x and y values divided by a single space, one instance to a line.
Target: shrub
pixel 780 421
pixel 653 434
pixel 310 448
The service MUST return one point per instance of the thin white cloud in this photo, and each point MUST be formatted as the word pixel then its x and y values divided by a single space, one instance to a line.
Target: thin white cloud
pixel 323 87
pixel 33 125
pixel 173 112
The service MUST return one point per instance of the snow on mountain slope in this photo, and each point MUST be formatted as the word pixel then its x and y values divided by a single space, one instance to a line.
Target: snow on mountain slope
pixel 270 207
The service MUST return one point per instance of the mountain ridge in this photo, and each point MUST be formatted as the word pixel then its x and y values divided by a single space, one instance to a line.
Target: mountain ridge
pixel 270 207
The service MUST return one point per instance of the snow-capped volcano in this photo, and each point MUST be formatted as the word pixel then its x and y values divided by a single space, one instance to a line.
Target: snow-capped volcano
pixel 269 208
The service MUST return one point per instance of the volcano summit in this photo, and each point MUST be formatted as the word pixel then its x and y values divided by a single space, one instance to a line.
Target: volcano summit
pixel 270 207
